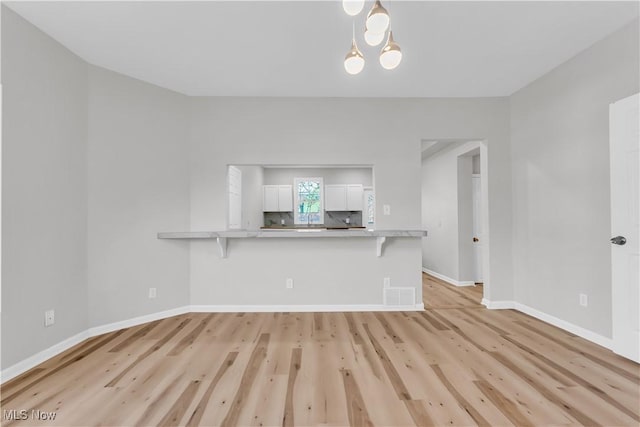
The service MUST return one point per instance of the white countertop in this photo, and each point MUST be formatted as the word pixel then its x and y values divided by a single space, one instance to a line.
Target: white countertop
pixel 289 233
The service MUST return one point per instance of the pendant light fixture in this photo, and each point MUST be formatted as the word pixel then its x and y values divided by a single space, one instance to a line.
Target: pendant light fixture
pixel 354 61
pixel 391 54
pixel 376 25
pixel 377 19
pixel 352 7
pixel 373 39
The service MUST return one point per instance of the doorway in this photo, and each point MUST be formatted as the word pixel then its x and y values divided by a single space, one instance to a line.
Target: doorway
pixel 455 213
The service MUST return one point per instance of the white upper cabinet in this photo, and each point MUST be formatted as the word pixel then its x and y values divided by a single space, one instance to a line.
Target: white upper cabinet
pixel 343 197
pixel 285 198
pixel 277 198
pixel 335 197
pixel 235 198
pixel 355 195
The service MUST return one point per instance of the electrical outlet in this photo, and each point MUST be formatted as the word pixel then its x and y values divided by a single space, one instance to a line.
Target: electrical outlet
pixel 386 209
pixel 387 282
pixel 152 293
pixel 49 317
pixel 584 300
pixel 289 283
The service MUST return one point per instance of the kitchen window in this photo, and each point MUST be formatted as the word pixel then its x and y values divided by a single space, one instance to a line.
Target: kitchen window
pixel 308 193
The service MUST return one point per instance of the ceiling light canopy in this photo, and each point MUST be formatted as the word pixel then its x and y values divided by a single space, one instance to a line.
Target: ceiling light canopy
pixel 352 7
pixel 354 61
pixel 391 54
pixel 377 19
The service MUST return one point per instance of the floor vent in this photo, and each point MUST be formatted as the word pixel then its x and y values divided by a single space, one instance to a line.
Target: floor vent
pixel 399 296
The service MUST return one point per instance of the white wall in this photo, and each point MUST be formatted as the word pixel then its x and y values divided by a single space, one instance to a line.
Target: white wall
pixel 560 156
pixel 285 176
pixel 334 131
pixel 44 193
pixel 138 186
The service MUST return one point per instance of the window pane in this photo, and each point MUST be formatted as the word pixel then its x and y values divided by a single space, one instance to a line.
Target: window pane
pixel 309 203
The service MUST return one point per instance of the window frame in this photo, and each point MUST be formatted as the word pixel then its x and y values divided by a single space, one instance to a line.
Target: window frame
pixel 296 199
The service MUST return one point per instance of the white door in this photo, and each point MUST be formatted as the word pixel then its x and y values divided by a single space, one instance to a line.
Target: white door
pixel 624 140
pixel 476 194
pixel 235 197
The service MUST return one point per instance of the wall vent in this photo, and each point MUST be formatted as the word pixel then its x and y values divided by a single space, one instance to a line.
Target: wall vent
pixel 399 296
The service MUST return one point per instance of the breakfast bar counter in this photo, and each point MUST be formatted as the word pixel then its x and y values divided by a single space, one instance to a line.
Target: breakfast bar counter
pixel 295 233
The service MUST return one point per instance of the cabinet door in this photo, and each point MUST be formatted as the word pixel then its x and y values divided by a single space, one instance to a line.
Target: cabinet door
pixel 335 197
pixel 235 198
pixel 270 198
pixel 355 195
pixel 285 198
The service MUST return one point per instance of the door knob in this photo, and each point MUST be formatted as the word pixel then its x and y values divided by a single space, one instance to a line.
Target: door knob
pixel 475 239
pixel 618 240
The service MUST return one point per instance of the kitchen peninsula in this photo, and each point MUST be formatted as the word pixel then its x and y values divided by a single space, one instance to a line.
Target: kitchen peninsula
pixel 310 232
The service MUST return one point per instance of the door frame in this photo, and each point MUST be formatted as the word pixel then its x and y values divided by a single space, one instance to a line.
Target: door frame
pixel 464 147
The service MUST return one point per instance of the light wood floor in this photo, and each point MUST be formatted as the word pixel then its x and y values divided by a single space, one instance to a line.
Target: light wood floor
pixel 454 364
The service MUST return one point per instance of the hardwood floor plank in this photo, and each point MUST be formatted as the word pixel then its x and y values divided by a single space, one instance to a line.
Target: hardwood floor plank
pixel 477 417
pixel 255 361
pixel 577 379
pixel 196 414
pixel 178 409
pixel 434 322
pixel 75 359
pixel 191 337
pixel 506 406
pixel 157 404
pixel 633 377
pixel 363 346
pixel 392 373
pixel 357 410
pixel 296 362
pixel 157 346
pixel 139 334
pixel 390 332
pixel 419 413
pixel 579 415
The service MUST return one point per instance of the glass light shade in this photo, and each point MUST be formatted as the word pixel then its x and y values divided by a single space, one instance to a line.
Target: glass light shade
pixel 373 39
pixel 352 7
pixel 377 19
pixel 354 61
pixel 391 54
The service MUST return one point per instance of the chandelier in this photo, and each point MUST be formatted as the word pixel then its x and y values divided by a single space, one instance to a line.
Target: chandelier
pixel 376 26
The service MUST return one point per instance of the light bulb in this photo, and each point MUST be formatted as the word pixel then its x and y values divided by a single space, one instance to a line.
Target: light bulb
pixel 353 61
pixel 391 55
pixel 352 7
pixel 373 39
pixel 377 19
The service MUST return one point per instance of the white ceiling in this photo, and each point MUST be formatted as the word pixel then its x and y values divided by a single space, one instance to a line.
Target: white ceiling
pixel 296 48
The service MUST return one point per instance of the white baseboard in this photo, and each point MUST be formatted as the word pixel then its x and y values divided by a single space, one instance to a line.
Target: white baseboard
pixel 99 330
pixel 42 356
pixel 301 308
pixel 448 279
pixel 552 320
pixel 498 305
